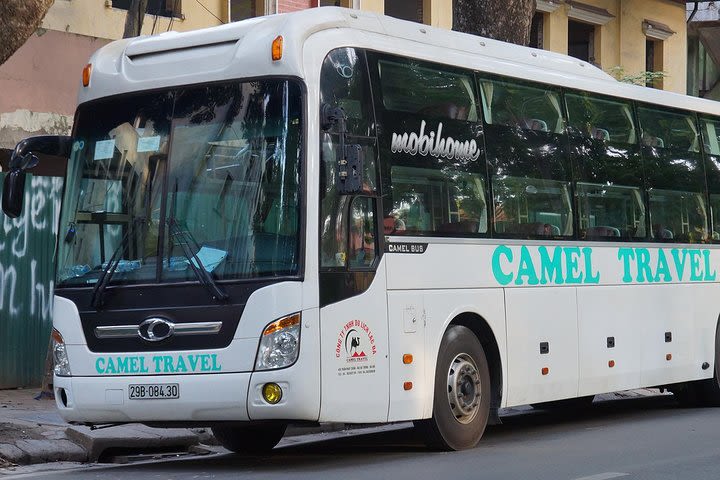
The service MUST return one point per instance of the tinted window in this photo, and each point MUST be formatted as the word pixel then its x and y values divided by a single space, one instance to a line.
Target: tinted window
pixel 601 119
pixel 675 175
pixel 344 84
pixel 529 169
pixel 610 212
pixel 710 129
pixel 668 129
pixel 431 147
pixel 429 91
pixel 523 106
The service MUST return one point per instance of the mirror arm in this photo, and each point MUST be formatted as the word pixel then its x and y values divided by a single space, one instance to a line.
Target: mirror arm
pixel 350 165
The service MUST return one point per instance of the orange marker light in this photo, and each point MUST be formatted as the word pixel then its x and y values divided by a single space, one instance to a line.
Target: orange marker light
pixel 611 363
pixel 277 48
pixel 545 370
pixel 407 386
pixel 668 357
pixel 86 74
pixel 407 359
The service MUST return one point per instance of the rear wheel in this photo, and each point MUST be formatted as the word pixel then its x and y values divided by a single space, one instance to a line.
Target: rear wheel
pixel 703 393
pixel 461 401
pixel 252 438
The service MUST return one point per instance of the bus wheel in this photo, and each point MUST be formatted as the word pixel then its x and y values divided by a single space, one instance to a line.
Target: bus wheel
pixel 461 401
pixel 253 438
pixel 702 393
pixel 709 390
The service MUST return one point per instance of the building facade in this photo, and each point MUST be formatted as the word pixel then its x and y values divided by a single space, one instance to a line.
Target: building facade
pixel 39 83
pixel 704 49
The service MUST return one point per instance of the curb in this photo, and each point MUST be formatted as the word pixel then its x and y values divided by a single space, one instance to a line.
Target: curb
pixel 130 438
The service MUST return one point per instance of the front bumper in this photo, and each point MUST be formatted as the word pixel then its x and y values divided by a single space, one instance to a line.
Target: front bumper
pixel 211 397
pixel 204 398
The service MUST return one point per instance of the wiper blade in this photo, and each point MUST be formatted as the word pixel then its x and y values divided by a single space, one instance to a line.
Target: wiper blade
pixel 98 298
pixel 183 238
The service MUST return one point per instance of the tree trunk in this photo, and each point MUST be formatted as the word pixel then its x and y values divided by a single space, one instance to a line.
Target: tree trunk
pixel 18 20
pixel 135 17
pixel 508 20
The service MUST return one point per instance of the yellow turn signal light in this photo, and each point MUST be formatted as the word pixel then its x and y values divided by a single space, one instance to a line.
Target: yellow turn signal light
pixel 272 393
pixel 407 359
pixel 87 71
pixel 277 48
pixel 283 323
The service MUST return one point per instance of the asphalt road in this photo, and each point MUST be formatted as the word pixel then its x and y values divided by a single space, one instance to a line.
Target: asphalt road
pixel 644 438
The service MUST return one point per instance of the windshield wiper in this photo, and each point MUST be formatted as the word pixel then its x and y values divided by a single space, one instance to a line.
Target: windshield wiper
pixel 183 239
pixel 97 298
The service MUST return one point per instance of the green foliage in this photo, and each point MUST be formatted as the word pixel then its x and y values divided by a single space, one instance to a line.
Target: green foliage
pixel 641 78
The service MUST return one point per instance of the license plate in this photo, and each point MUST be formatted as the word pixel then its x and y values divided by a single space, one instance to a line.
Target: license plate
pixel 154 391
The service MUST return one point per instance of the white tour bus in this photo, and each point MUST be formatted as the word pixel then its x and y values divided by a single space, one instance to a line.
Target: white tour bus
pixel 332 215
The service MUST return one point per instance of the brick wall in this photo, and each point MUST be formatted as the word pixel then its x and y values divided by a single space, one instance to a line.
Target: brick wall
pixel 285 6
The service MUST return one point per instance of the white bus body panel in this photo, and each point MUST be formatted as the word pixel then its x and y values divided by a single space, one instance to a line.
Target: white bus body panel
pixel 231 391
pixel 535 316
pixel 453 277
pixel 354 356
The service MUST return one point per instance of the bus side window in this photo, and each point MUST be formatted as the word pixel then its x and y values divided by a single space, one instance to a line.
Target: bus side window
pixel 362 240
pixel 343 83
pixel 710 128
pixel 675 175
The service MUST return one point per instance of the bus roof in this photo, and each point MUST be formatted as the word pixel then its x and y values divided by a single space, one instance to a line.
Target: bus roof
pixel 242 50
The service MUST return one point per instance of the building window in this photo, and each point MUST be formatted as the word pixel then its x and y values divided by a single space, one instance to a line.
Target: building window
pixel 581 41
pixel 536 30
pixel 335 3
pixel 655 34
pixel 653 62
pixel 405 9
pixel 242 9
pixel 164 8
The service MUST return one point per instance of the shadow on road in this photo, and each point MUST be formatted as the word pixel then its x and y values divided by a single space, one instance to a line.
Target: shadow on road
pixel 405 444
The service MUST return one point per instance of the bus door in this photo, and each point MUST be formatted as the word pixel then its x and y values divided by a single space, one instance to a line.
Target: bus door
pixel 353 319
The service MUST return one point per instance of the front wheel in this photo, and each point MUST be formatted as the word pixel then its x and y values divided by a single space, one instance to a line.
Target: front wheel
pixel 252 438
pixel 461 400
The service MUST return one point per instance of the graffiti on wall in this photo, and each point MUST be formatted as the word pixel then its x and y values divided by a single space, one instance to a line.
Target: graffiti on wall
pixel 27 246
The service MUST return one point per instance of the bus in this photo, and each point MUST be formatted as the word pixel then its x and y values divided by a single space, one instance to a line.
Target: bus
pixel 337 216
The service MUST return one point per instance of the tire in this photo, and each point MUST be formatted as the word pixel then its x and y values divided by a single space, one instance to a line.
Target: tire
pixel 578 403
pixel 461 373
pixel 703 393
pixel 253 438
pixel 709 390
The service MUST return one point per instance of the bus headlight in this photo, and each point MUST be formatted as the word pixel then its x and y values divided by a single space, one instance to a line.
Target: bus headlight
pixel 60 358
pixel 280 344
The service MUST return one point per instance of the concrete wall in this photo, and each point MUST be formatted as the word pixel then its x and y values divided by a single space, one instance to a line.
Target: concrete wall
pixel 97 18
pixel 632 39
pixel 39 85
pixel 621 41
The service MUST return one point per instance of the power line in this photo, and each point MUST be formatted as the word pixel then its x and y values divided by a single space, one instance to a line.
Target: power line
pixel 207 10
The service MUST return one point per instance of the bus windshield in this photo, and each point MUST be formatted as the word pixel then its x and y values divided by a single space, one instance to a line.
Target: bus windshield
pixel 207 174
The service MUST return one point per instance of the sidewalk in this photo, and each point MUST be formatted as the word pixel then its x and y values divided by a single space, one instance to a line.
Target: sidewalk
pixel 32 432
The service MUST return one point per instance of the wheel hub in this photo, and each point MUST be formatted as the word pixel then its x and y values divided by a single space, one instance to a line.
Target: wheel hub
pixel 464 388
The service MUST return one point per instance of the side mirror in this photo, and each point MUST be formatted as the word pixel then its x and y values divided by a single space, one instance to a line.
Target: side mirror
pixel 350 165
pixel 24 158
pixel 13 191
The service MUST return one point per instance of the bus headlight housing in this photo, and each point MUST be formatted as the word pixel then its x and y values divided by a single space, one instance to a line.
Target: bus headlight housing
pixel 280 343
pixel 59 353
